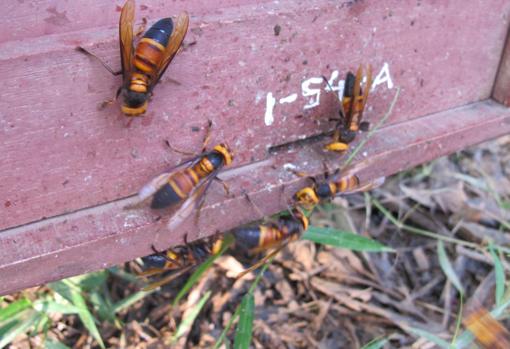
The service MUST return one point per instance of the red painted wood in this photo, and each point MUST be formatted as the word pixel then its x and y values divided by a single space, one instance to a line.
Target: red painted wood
pixel 66 164
pixel 61 154
pixel 501 92
pixel 102 236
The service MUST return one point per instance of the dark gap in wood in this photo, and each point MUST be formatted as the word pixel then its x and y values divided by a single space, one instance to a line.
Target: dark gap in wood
pixel 299 143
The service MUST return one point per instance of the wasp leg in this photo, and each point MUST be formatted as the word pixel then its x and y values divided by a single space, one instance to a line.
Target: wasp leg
pixel 201 201
pixel 364 126
pixel 225 186
pixel 141 28
pixel 166 280
pixel 172 148
pixel 207 135
pixel 107 67
pixel 258 210
pixel 336 146
pixel 108 102
pixel 262 261
pixel 298 173
pixel 165 256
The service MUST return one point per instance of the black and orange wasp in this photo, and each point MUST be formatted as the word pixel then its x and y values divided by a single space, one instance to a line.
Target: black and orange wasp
pixel 185 184
pixel 180 259
pixel 332 186
pixel 143 65
pixel 352 105
pixel 247 240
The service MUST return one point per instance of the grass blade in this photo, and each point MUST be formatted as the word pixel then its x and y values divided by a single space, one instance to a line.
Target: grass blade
pixel 14 308
pixel 51 344
pixel 201 269
pixel 430 337
pixel 16 327
pixel 243 336
pixel 372 131
pixel 223 334
pixel 73 292
pixel 448 268
pixel 50 306
pixel 376 343
pixel 237 313
pixel 129 300
pixel 338 238
pixel 102 307
pixel 186 323
pixel 91 281
pixel 500 275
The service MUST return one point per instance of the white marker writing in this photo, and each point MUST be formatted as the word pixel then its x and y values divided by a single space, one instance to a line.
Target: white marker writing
pixel 289 99
pixel 383 77
pixel 310 92
pixel 270 103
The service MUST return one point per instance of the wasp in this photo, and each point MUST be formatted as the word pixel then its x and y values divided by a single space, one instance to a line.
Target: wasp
pixel 274 234
pixel 187 180
pixel 352 106
pixel 331 186
pixel 249 239
pixel 180 259
pixel 320 191
pixel 143 66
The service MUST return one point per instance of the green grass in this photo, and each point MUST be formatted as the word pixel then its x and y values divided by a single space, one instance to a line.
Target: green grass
pixel 85 296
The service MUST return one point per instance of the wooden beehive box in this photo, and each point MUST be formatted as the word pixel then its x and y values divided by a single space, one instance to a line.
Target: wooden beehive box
pixel 254 68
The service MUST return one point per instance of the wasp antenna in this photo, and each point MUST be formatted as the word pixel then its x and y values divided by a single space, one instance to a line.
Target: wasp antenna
pixel 331 88
pixel 103 63
pixel 207 135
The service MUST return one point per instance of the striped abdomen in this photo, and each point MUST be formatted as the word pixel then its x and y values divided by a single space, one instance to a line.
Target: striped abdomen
pixel 149 51
pixel 170 259
pixel 346 183
pixel 265 236
pixel 184 256
pixel 181 183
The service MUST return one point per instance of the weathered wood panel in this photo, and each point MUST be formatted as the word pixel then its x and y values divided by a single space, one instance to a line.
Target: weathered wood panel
pixel 108 234
pixel 62 154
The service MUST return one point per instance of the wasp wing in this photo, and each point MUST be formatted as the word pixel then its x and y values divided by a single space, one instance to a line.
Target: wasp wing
pixel 360 97
pixel 150 188
pixel 127 17
pixel 266 259
pixel 348 99
pixel 174 43
pixel 167 279
pixel 366 90
pixel 195 200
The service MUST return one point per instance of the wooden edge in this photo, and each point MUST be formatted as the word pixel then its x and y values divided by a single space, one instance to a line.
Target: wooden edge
pixel 102 236
pixel 501 89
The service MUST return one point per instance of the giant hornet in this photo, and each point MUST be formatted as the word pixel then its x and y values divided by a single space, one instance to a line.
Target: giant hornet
pixel 351 110
pixel 330 187
pixel 180 259
pixel 188 180
pixel 273 234
pixel 247 240
pixel 143 66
